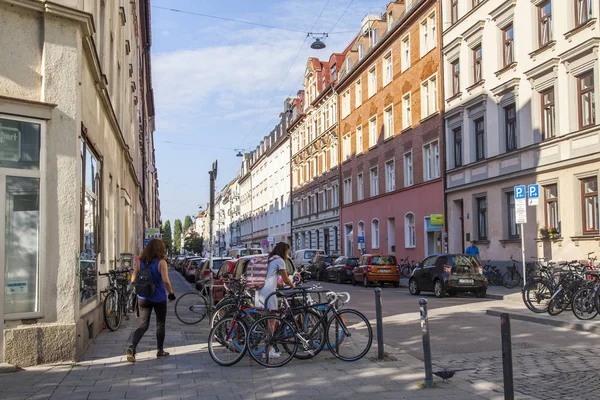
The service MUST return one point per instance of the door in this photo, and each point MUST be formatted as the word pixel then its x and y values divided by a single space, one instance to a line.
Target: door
pixel 425 279
pixel 326 240
pixel 391 237
pixel 462 226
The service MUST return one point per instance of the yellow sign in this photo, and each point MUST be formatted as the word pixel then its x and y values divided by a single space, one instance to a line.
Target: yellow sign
pixel 436 219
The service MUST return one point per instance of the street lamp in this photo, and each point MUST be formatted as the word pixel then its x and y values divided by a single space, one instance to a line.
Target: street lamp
pixel 239 154
pixel 318 43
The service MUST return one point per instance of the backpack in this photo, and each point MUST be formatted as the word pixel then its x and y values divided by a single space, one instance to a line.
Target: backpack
pixel 144 284
pixel 256 272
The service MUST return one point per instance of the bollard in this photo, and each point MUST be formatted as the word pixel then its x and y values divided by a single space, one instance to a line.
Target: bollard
pixel 379 316
pixel 426 345
pixel 507 368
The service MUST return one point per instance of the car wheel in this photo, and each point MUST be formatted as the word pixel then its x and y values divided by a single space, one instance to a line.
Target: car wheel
pixel 365 281
pixel 413 287
pixel 438 289
pixel 338 278
pixel 353 281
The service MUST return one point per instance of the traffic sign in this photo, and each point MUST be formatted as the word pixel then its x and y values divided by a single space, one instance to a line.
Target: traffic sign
pixel 520 192
pixel 153 233
pixel 533 191
pixel 361 239
pixel 520 211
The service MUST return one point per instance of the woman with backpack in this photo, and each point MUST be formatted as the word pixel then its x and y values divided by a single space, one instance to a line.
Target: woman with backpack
pixel 150 278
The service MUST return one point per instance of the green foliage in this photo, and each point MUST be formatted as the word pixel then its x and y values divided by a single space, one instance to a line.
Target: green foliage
pixel 177 236
pixel 193 243
pixel 187 223
pixel 167 236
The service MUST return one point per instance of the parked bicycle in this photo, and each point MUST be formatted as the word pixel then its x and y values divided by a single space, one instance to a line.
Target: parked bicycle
pixel 406 268
pixel 492 273
pixel 120 298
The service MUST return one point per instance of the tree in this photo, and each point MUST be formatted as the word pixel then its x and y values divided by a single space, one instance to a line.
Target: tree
pixel 167 236
pixel 177 236
pixel 193 243
pixel 187 223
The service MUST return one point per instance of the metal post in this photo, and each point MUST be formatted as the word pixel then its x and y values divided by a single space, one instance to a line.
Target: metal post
pixel 509 391
pixel 523 252
pixel 211 217
pixel 426 345
pixel 379 324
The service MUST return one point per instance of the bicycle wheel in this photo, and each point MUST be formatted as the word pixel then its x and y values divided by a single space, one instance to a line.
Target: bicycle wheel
pixel 221 311
pixel 511 279
pixel 496 278
pixel 584 306
pixel 313 333
pixel 191 308
pixel 558 304
pixel 267 337
pixel 349 335
pixel 227 341
pixel 537 295
pixel 112 312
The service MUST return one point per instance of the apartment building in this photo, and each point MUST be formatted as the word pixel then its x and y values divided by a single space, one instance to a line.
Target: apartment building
pixel 390 130
pixel 78 184
pixel 315 158
pixel 520 104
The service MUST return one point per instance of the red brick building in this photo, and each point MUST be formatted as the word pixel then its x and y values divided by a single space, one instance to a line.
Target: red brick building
pixel 390 134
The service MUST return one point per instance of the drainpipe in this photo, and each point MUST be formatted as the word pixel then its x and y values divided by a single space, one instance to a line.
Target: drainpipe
pixel 445 247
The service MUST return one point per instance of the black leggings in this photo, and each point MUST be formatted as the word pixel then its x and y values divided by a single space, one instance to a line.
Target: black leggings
pixel 145 307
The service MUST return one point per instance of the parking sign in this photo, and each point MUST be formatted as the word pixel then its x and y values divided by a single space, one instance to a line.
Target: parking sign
pixel 533 194
pixel 520 192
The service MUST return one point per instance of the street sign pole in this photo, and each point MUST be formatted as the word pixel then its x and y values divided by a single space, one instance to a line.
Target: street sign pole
pixel 521 219
pixel 523 252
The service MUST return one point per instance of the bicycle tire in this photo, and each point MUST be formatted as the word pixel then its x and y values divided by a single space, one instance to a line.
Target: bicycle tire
pixel 536 295
pixel 260 340
pixel 341 320
pixel 191 308
pixel 229 337
pixel 511 279
pixel 557 305
pixel 495 278
pixel 584 306
pixel 112 312
pixel 308 319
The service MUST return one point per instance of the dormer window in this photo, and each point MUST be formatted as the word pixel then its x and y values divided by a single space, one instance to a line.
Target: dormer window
pixel 360 51
pixel 333 73
pixel 347 64
pixel 390 20
pixel 374 36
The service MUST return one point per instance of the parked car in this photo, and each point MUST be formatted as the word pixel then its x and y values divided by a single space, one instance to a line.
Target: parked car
pixel 301 258
pixel 220 280
pixel 237 253
pixel 317 265
pixel 448 273
pixel 190 268
pixel 178 263
pixel 376 268
pixel 203 271
pixel 341 270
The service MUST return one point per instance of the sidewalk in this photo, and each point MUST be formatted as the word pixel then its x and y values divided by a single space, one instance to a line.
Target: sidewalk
pixel 190 373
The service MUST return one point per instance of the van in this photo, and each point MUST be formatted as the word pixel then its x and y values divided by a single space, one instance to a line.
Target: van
pixel 237 253
pixel 301 258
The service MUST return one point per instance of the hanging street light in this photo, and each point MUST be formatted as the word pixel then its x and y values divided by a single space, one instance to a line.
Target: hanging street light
pixel 318 43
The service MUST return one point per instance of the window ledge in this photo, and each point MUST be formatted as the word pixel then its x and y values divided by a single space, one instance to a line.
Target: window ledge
pixel 454 97
pixel 547 239
pixel 410 247
pixel 430 116
pixel 476 85
pixel 510 241
pixel 372 147
pixel 580 28
pixel 585 238
pixel 408 128
pixel 542 49
pixel 387 139
pixel 512 66
pixel 482 241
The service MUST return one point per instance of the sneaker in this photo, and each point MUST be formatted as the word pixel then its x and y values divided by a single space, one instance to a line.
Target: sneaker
pixel 272 354
pixel 130 354
pixel 162 353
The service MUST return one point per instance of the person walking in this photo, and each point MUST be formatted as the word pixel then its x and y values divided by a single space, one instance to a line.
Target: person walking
pixel 153 257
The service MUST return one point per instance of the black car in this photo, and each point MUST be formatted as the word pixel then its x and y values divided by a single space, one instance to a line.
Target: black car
pixel 341 270
pixel 317 265
pixel 448 273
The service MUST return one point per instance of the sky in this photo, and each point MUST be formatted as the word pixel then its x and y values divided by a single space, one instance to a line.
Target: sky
pixel 220 85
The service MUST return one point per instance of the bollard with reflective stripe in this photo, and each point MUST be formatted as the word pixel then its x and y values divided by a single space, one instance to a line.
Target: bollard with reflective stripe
pixel 379 317
pixel 426 345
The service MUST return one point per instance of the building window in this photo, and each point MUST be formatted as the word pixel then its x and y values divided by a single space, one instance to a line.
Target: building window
pixel 587 106
pixel 347 190
pixel 513 227
pixel 358 93
pixel 508 41
pixel 374 182
pixel 390 176
pixel 375 234
pixel 372 83
pixel 545 21
pixel 390 21
pixel 324 201
pixel 360 51
pixel 333 73
pixel 477 55
pixel 481 218
pixel 360 187
pixel 510 127
pixel 410 240
pixel 548 114
pixel 373 131
pixel 359 140
pixel 348 65
pixel 405 53
pixel 346 104
pixel 349 240
pixel 455 77
pixel 388 73
pixel 453 11
pixel 335 196
pixel 406 113
pixel 479 139
pixel 551 207
pixel 583 11
pixel 457 133
pixel 388 122
pixel 431 158
pixel 333 154
pixel 429 97
pixel 374 36
pixel 428 34
pixel 477 2
pixel 361 233
pixel 589 189
pixel 408 169
pixel 346 146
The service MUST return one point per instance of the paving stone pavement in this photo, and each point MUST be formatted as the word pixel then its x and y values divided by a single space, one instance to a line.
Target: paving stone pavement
pixel 190 373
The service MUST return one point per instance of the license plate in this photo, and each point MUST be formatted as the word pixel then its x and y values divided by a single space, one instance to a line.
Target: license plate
pixel 466 281
pixel 383 270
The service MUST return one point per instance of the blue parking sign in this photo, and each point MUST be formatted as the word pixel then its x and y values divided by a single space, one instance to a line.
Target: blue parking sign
pixel 520 192
pixel 533 191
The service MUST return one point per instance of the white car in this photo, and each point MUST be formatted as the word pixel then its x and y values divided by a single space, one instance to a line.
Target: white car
pixel 301 258
pixel 237 253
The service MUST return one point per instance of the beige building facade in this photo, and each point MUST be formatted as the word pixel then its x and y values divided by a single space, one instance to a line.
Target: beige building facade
pixel 78 184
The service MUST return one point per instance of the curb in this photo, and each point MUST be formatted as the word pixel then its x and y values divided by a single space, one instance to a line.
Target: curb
pixel 576 326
